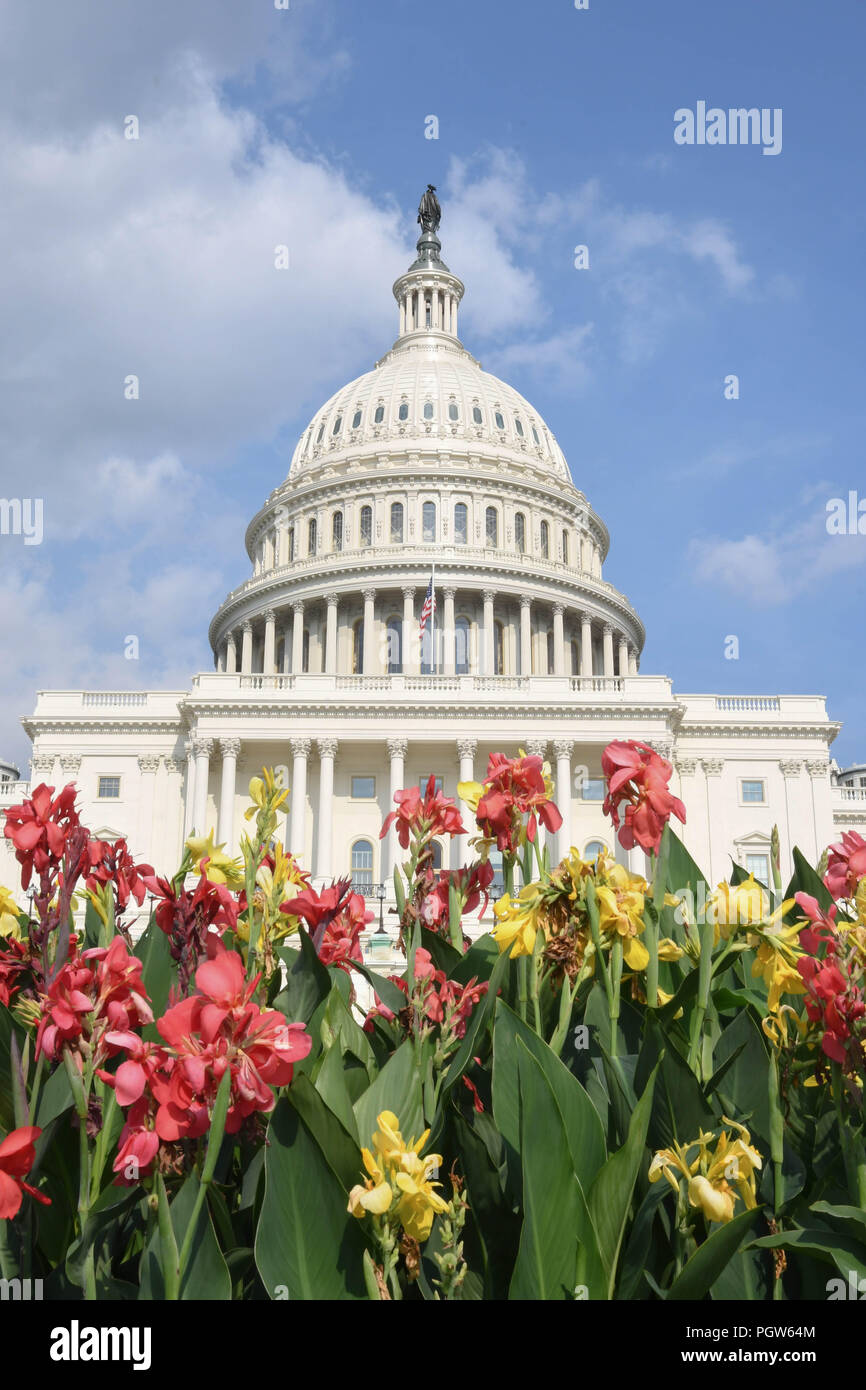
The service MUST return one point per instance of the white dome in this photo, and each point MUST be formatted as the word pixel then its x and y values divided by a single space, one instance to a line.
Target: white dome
pixel 427 390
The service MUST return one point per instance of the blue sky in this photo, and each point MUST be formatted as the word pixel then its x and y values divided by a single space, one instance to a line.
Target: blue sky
pixel 260 127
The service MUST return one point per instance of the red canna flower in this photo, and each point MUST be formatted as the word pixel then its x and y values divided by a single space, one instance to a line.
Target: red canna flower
pixel 112 863
pixel 39 829
pixel 638 776
pixel 14 962
pixel 423 817
pixel 335 917
pixel 17 1156
pixel 187 918
pixel 846 865
pixel 515 795
pixel 88 1002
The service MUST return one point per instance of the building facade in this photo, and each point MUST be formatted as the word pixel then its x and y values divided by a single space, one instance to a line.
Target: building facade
pixel 429 468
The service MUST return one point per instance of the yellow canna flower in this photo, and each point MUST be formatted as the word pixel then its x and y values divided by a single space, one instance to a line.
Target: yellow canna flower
pixel 418 1202
pixel 471 793
pixel 710 1174
pixel 517 921
pixel 397 1170
pixel 778 973
pixel 620 912
pixel 220 868
pixel 9 925
pixel 668 949
pixel 737 905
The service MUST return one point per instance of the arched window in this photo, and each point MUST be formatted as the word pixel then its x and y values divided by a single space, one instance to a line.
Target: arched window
pixel 549 652
pixel 565 547
pixel 535 436
pixel 453 412
pixel 437 856
pixel 520 532
pixel 403 412
pixel 461 640
pixel 338 425
pixel 321 433
pixel 428 310
pixel 380 415
pixel 394 629
pixel 461 524
pixel 545 540
pixel 476 415
pixel 356 420
pixel 362 868
pixel 491 528
pixel 396 523
pixel 312 537
pixel 517 425
pixel 337 531
pixel 305 651
pixel 593 849
pixel 428 410
pixel 428 521
pixel 500 420
pixel 291 544
pixel 366 526
pixel 358 647
pixel 498 649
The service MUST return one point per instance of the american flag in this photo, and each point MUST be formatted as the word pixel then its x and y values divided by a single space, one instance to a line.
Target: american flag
pixel 429 606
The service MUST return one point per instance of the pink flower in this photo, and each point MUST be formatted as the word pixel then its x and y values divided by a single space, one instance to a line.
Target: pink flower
pixel 846 865
pixel 638 777
pixel 17 1156
pixel 425 817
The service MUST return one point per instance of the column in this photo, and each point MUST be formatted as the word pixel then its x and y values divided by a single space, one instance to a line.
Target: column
pixel 246 647
pixel 369 632
pixel 189 799
pixel 202 748
pixel 585 644
pixel 525 636
pixel 402 317
pixel 466 749
pixel 221 659
pixel 324 851
pixel 586 554
pixel 297 637
pixel 454 315
pixel 231 654
pixel 563 748
pixel 489 634
pixel 397 748
pixel 608 649
pixel 148 766
pixel 297 834
pixel 407 651
pixel 558 641
pixel 230 748
pixel 270 641
pixel 632 661
pixel 623 656
pixel 331 636
pixel 450 633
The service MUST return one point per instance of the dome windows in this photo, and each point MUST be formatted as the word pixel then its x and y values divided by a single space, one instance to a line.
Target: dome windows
pixel 545 541
pixel 428 522
pixel 396 523
pixel 403 412
pixel 394 630
pixel 520 533
pixel 338 425
pixel 499 419
pixel 518 425
pixel 461 524
pixel 356 420
pixel 491 528
pixel 366 531
pixel 428 410
pixel 312 537
pixel 320 435
pixel 477 417
pixel 453 412
pixel 535 436
pixel 565 547
pixel 379 415
pixel 337 531
pixel 291 544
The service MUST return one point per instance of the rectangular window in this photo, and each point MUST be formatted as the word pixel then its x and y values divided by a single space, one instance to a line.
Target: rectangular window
pixel 108 788
pixel 363 788
pixel 422 783
pixel 752 792
pixel 592 789
pixel 759 866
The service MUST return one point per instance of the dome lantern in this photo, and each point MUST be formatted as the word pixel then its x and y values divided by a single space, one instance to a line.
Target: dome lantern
pixel 428 293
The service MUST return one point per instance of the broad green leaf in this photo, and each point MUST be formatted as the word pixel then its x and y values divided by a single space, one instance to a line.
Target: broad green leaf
pixel 494 1218
pixel 159 973
pixel 680 1110
pixel 390 994
pixel 398 1088
pixel 846 1254
pixel 706 1264
pixel 341 1030
pixel 206 1276
pixel 478 1021
pixel 338 1144
pixel 307 1245
pixel 55 1097
pixel 611 1194
pixel 307 982
pixel 331 1085
pixel 8 1028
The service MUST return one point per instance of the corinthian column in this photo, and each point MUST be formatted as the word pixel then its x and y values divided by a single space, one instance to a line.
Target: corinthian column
pixel 489 634
pixel 297 834
pixel 525 636
pixel 246 647
pixel 230 748
pixel 608 649
pixel 331 636
pixel 585 644
pixel 369 632
pixel 270 642
pixel 231 654
pixel 466 749
pixel 623 657
pixel 324 851
pixel 397 748
pixel 297 637
pixel 406 650
pixel 563 748
pixel 202 749
pixel 558 641
pixel 450 633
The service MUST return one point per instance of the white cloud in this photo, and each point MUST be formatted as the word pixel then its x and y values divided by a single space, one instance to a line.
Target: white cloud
pixel 779 566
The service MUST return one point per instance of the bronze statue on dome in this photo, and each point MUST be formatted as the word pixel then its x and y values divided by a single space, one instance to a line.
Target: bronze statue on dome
pixel 429 211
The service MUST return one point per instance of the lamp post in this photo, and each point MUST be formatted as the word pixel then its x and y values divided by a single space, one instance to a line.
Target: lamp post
pixel 380 941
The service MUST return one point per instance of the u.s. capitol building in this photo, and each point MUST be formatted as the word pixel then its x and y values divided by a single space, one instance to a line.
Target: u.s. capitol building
pixel 427 463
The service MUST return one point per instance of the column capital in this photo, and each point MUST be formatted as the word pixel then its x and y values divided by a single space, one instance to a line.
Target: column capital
pixel 149 762
pixel 466 747
pixel 175 765
pixel 42 764
pixel 585 618
pixel 231 635
pixel 332 600
pixel 201 747
pixel 70 762
pixel 397 747
pixel 450 593
pixel 817 767
pixel 270 615
pixel 663 746
pixel 328 746
pixel 246 625
pixel 791 767
pixel 607 629
pixel 536 747
pixel 713 766
pixel 525 601
pixel 558 610
pixel 488 595
pixel 369 595
pixel 298 606
pixel 408 592
pixel 300 747
pixel 686 766
pixel 563 747
pixel 230 747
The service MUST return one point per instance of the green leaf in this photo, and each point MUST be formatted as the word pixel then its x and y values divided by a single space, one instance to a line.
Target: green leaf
pixel 706 1264
pixel 55 1097
pixel 554 1214
pixel 611 1193
pixel 206 1275
pixel 853 1217
pixel 9 1028
pixel 495 1220
pixel 478 961
pixel 307 1244
pixel 340 1030
pixel 844 1253
pixel 158 973
pixel 331 1086
pixel 680 1109
pixel 307 984
pixel 806 880
pixel 478 1021
pixel 398 1088
pixel 390 994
